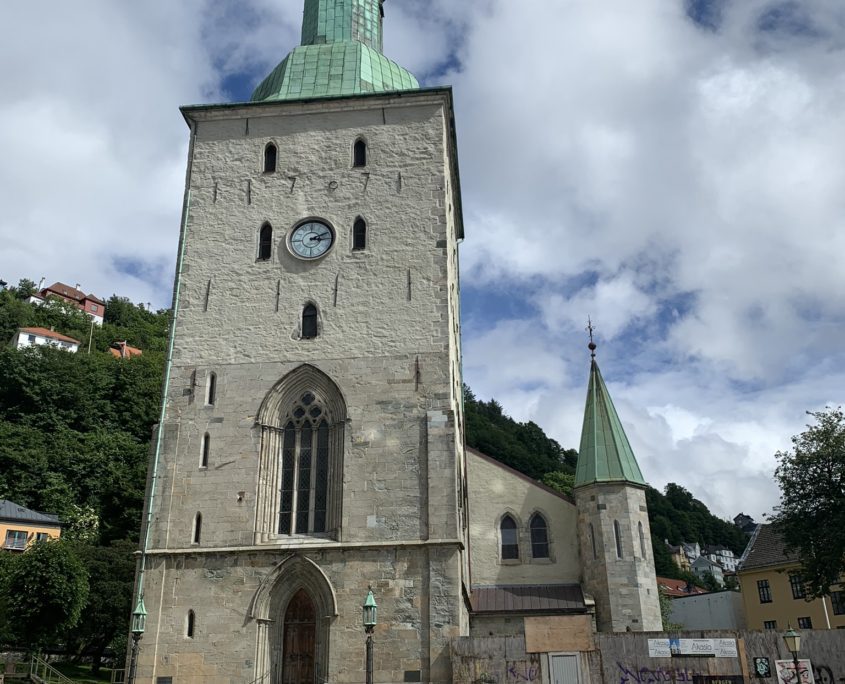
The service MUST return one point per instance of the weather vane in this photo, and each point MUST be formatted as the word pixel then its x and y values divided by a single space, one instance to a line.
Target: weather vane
pixel 590 329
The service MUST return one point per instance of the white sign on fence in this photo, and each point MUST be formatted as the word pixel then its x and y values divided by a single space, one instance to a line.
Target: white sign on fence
pixel 659 648
pixel 714 648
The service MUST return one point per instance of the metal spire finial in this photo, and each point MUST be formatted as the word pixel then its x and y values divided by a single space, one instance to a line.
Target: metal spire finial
pixel 592 346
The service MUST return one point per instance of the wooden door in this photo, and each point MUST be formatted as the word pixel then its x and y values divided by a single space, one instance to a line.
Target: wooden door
pixel 299 648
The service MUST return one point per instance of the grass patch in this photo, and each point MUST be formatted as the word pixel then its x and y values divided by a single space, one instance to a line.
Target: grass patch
pixel 82 673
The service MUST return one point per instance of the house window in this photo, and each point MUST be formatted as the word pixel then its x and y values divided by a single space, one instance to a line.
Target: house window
pixel 30 339
pixel 41 536
pixel 837 600
pixel 805 623
pixel 359 235
pixel 189 625
pixel 197 528
pixel 764 591
pixel 265 242
pixel 642 540
pixel 770 624
pixel 510 538
pixel 271 154
pixel 593 541
pixel 16 540
pixel 211 389
pixel 539 536
pixel 617 531
pixel 94 308
pixel 206 448
pixel 798 591
pixel 309 322
pixel 359 155
pixel 305 468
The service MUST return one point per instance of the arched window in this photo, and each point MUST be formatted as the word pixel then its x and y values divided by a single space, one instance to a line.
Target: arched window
pixel 593 541
pixel 642 541
pixel 359 156
pixel 211 389
pixel 206 448
pixel 539 536
pixel 197 528
pixel 617 532
pixel 305 468
pixel 265 242
pixel 271 155
pixel 189 625
pixel 359 235
pixel 309 322
pixel 302 445
pixel 510 538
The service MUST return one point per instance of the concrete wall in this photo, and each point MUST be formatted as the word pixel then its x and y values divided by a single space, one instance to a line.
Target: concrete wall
pixel 721 610
pixel 495 490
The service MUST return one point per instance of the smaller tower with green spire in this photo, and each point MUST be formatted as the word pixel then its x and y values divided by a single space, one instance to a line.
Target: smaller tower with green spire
pixel 340 55
pixel 613 529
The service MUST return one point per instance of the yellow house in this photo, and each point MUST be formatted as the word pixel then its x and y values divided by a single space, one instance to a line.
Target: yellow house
pixel 773 594
pixel 20 527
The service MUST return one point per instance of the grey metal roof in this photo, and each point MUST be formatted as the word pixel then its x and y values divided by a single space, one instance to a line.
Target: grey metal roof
pixel 766 548
pixel 9 510
pixel 529 598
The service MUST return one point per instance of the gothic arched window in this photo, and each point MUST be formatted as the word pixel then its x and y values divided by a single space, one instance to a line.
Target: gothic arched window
pixel 211 389
pixel 642 540
pixel 265 242
pixel 593 541
pixel 309 322
pixel 509 538
pixel 359 235
pixel 206 449
pixel 271 155
pixel 539 536
pixel 197 528
pixel 189 625
pixel 617 532
pixel 359 153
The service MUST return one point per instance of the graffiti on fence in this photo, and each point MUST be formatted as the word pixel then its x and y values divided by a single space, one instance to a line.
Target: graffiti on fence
pixel 523 672
pixel 648 675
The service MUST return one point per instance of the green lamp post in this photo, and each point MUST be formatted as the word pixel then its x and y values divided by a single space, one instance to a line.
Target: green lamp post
pixel 793 645
pixel 139 623
pixel 370 618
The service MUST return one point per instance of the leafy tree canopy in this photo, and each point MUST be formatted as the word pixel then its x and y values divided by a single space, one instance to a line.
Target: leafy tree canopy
pixel 811 515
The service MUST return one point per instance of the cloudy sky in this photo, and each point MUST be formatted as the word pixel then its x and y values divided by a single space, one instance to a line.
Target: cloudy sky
pixel 672 168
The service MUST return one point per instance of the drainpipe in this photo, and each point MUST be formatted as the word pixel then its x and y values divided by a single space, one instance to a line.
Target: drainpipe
pixel 177 285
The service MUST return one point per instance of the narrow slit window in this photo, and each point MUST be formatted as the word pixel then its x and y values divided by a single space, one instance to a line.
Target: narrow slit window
pixel 359 155
pixel 510 539
pixel 617 531
pixel 265 242
pixel 539 537
pixel 642 541
pixel 189 625
pixel 593 541
pixel 271 156
pixel 309 322
pixel 206 448
pixel 211 389
pixel 197 528
pixel 359 235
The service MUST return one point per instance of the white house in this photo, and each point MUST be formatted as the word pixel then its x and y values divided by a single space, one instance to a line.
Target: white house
pixel 31 337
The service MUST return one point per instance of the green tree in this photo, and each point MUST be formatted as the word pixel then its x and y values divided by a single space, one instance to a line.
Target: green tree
pixel 711 583
pixel 46 588
pixel 559 481
pixel 666 613
pixel 811 515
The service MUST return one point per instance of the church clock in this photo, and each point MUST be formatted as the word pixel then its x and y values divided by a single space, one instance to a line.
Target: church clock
pixel 311 240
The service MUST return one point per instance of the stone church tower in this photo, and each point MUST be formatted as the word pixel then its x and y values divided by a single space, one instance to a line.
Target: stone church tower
pixel 311 444
pixel 616 556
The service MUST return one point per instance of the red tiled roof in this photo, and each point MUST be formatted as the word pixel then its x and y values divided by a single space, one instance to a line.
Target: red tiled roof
pixel 95 299
pixel 65 291
pixel 676 587
pixel 126 351
pixel 528 598
pixel 43 332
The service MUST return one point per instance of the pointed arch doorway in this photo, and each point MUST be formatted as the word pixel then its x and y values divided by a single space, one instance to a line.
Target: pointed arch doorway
pixel 299 643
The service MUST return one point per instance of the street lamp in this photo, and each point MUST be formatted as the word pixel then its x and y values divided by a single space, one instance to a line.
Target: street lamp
pixel 370 618
pixel 139 622
pixel 793 645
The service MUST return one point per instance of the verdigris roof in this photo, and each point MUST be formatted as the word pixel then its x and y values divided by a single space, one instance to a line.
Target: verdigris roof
pixel 605 455
pixel 341 54
pixel 13 512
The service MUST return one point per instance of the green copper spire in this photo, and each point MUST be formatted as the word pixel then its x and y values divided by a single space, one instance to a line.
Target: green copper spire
pixel 340 55
pixel 605 454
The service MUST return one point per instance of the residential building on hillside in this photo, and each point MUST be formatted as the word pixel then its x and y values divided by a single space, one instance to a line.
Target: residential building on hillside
pixel 88 303
pixel 773 594
pixel 703 566
pixel 36 337
pixel 675 587
pixel 726 558
pixel 678 556
pixel 745 523
pixel 20 527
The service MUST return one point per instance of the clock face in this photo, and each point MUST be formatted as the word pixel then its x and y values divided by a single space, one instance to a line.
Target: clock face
pixel 311 240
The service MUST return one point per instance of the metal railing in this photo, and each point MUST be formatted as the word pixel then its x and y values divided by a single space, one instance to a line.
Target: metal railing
pixel 118 676
pixel 42 672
